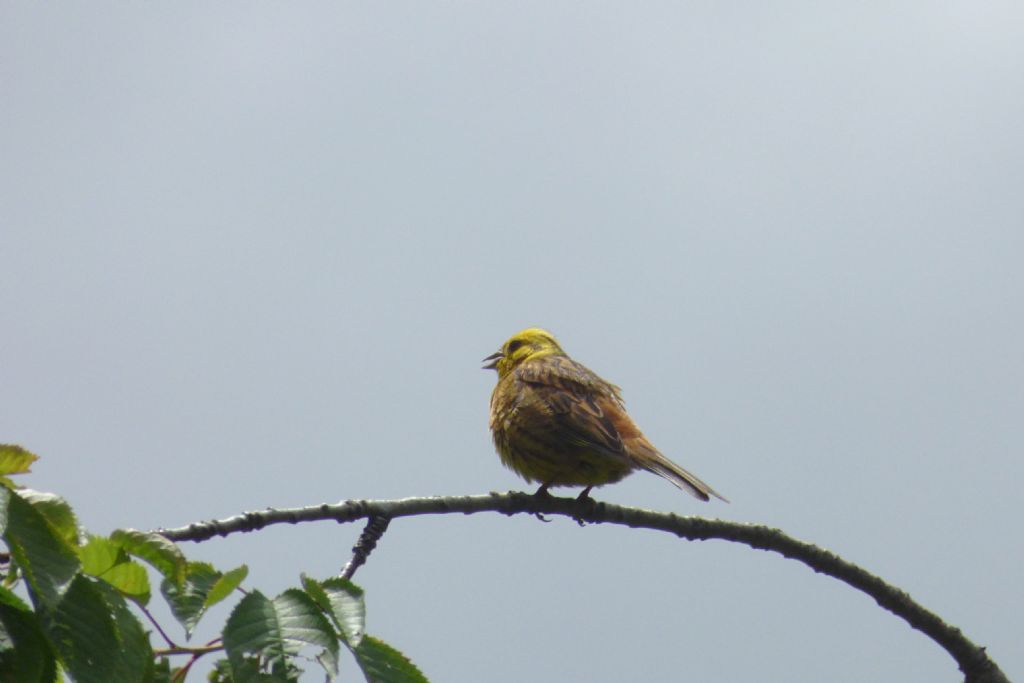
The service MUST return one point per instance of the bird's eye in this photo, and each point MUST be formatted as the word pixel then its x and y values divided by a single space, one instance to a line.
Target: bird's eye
pixel 513 345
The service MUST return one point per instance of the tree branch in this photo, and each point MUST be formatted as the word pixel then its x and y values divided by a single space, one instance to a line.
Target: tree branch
pixel 972 660
pixel 375 528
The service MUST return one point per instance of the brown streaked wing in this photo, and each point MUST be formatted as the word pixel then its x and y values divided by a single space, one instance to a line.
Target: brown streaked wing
pixel 583 408
pixel 620 419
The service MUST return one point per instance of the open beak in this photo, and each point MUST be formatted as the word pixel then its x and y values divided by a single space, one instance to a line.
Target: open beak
pixel 493 358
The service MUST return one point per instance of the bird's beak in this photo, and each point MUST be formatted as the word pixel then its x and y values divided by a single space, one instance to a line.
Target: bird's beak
pixel 493 358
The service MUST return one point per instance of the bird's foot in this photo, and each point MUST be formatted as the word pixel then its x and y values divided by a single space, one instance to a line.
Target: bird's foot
pixel 585 499
pixel 542 493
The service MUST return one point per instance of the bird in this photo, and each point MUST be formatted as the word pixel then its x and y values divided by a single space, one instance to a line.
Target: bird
pixel 556 422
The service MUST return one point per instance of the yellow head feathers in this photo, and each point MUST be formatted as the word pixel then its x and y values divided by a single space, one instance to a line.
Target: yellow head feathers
pixel 533 342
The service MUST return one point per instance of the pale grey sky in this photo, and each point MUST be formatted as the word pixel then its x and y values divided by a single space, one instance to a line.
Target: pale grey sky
pixel 254 252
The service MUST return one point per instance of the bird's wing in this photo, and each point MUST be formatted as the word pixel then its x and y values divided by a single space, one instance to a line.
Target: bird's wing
pixel 582 409
pixel 574 406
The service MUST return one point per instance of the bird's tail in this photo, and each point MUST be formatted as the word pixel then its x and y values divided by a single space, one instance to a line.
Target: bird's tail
pixel 652 460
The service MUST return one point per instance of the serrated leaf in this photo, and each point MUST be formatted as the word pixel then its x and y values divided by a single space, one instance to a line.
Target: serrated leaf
pixel 135 661
pixel 302 621
pixel 99 554
pixel 56 511
pixel 15 459
pixel 106 559
pixel 382 663
pixel 82 629
pixel 25 654
pixel 343 601
pixel 98 637
pixel 46 560
pixel 5 499
pixel 226 585
pixel 277 629
pixel 250 671
pixel 202 588
pixel 162 671
pixel 188 600
pixel 158 551
pixel 9 598
pixel 221 672
pixel 130 579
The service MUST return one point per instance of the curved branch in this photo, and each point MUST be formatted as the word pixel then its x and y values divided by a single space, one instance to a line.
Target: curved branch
pixel 972 659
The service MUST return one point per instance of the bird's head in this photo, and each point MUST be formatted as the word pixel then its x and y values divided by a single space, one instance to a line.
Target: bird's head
pixel 531 343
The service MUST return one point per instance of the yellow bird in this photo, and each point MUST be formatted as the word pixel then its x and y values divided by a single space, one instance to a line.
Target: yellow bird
pixel 556 422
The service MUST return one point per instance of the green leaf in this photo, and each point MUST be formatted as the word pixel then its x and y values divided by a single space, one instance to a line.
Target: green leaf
pixel 5 517
pixel 47 561
pixel 277 629
pixel 98 638
pixel 226 585
pixel 250 671
pixel 135 660
pixel 159 552
pixel 162 671
pixel 107 560
pixel 202 587
pixel 382 663
pixel 15 459
pixel 56 511
pixel 25 653
pixel 188 601
pixel 130 579
pixel 343 601
pixel 8 597
pixel 99 554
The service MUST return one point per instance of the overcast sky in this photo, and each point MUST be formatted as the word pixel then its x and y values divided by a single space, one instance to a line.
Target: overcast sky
pixel 254 252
